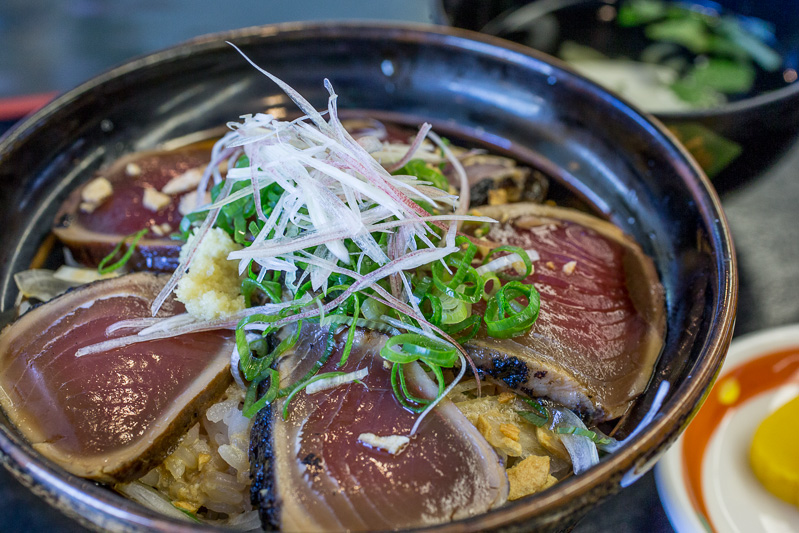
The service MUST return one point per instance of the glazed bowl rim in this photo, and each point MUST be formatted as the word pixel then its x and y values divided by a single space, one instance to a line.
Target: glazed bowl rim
pixel 633 460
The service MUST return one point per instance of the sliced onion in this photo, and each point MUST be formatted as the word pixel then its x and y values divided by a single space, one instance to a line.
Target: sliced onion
pixel 152 499
pixel 41 284
pixel 45 285
pixel 81 275
pixel 660 396
pixel 582 450
pixel 454 310
pixel 247 521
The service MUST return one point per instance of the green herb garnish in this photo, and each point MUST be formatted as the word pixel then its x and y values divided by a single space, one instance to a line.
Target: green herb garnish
pixel 420 169
pixel 506 315
pixel 442 291
pixel 134 240
pixel 583 432
pixel 539 416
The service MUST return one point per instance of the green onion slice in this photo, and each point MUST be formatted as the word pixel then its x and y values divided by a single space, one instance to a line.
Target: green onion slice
pixel 401 392
pixel 351 334
pixel 330 344
pixel 413 347
pixel 252 367
pixel 583 432
pixel 539 416
pixel 406 393
pixel 453 310
pixel 272 289
pixel 465 275
pixel 436 314
pixel 251 406
pixel 465 330
pixel 495 285
pixel 134 240
pixel 502 317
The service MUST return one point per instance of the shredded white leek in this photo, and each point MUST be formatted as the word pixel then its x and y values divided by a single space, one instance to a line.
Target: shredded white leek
pixel 336 381
pixel 334 190
pixel 505 261
pixel 168 324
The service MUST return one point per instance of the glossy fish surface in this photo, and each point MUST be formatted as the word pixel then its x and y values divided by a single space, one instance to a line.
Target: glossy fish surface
pixel 602 318
pixel 318 475
pixel 115 414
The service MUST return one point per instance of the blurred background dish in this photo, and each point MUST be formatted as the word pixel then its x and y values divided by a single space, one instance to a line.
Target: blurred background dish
pixel 721 75
pixel 706 478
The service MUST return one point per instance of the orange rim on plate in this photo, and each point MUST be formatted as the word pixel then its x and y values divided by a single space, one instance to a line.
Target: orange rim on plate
pixel 757 366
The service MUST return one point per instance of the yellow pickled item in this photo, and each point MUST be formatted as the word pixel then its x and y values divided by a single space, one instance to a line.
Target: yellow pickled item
pixel 774 454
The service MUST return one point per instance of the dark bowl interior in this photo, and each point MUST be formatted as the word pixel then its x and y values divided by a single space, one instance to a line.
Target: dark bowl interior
pixel 763 125
pixel 508 98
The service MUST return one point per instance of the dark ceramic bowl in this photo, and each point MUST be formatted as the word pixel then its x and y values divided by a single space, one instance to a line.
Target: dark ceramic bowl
pixel 758 129
pixel 503 96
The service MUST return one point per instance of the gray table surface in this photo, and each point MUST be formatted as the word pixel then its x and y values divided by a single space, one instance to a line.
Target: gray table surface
pixel 53 45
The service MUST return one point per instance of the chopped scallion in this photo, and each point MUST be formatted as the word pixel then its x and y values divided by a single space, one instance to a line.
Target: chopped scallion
pixel 134 240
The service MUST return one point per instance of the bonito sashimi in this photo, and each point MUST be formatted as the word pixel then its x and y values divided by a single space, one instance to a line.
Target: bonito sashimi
pixel 601 323
pixel 317 471
pixel 114 414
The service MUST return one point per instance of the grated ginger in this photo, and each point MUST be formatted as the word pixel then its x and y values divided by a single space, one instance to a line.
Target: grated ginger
pixel 211 288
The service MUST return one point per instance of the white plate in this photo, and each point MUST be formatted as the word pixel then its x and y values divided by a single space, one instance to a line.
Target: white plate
pixel 735 500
